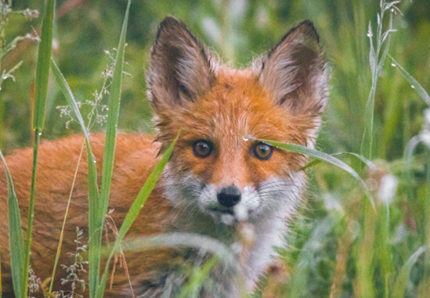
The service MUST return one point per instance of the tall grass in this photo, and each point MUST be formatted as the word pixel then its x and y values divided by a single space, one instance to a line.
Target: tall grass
pixel 17 252
pixel 98 203
pixel 377 56
pixel 41 90
pixel 339 245
pixel 92 175
pixel 143 195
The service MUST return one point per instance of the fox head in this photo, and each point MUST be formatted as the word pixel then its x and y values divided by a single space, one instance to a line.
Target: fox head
pixel 218 164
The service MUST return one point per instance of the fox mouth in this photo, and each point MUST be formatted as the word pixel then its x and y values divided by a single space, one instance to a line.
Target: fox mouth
pixel 229 216
pixel 226 217
pixel 223 215
pixel 221 210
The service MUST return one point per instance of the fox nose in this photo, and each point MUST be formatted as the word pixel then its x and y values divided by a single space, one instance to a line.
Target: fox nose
pixel 229 196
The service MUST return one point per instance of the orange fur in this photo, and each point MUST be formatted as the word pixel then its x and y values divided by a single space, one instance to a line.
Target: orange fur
pixel 235 108
pixel 135 157
pixel 280 98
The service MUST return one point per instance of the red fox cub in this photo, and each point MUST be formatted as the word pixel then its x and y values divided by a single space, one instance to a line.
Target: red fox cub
pixel 218 179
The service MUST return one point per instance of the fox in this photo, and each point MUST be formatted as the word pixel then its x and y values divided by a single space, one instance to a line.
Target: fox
pixel 220 182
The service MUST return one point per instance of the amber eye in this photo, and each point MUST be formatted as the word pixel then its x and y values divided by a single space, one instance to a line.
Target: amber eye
pixel 202 148
pixel 263 151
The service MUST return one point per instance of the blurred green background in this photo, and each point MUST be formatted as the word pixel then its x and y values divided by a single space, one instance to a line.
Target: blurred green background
pixel 336 226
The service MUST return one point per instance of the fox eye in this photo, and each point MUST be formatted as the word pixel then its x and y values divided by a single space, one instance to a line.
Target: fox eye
pixel 202 148
pixel 263 151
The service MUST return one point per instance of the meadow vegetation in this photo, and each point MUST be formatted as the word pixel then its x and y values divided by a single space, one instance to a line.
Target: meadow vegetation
pixel 347 240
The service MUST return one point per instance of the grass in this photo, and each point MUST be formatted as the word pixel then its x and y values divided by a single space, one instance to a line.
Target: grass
pixel 341 244
pixel 41 89
pixel 99 203
pixel 15 235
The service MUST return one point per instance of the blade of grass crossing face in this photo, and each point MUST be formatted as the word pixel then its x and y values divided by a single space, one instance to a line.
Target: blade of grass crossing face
pixel 320 156
pixel 16 241
pixel 94 230
pixel 360 157
pixel 313 153
pixel 135 208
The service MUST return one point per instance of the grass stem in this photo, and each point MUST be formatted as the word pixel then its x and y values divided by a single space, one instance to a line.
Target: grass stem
pixel 60 242
pixel 37 134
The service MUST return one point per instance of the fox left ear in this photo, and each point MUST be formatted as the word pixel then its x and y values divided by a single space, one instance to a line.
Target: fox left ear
pixel 179 67
pixel 294 71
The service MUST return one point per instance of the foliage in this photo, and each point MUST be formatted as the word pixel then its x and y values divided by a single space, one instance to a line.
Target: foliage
pixel 339 245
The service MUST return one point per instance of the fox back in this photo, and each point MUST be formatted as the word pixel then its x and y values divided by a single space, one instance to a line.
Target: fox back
pixel 220 182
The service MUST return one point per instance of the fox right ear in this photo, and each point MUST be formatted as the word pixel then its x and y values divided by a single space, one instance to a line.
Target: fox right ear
pixel 294 71
pixel 179 67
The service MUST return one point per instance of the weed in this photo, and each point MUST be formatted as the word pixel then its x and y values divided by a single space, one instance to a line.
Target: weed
pixel 74 270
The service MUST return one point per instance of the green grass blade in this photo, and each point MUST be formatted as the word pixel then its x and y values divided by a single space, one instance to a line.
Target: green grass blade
pixel 197 278
pixel 92 170
pixel 411 80
pixel 43 65
pixel 360 157
pixel 403 276
pixel 221 254
pixel 373 59
pixel 109 154
pixel 112 120
pixel 323 157
pixel 135 208
pixel 386 47
pixel 315 154
pixel 31 208
pixel 67 93
pixel 410 148
pixel 60 242
pixel 300 275
pixel 41 89
pixel 93 191
pixel 16 241
pixel 197 241
pixel 367 140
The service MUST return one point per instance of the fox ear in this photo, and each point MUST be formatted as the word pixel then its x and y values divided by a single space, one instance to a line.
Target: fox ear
pixel 179 67
pixel 294 71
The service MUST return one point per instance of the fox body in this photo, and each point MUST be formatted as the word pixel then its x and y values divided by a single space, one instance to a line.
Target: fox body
pixel 219 179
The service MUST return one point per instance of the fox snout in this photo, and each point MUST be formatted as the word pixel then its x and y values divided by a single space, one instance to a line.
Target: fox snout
pixel 229 196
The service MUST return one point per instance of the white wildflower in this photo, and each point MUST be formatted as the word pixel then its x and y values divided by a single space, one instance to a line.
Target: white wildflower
pixel 388 187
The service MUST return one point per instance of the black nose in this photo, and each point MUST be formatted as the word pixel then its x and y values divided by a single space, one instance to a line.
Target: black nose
pixel 229 196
